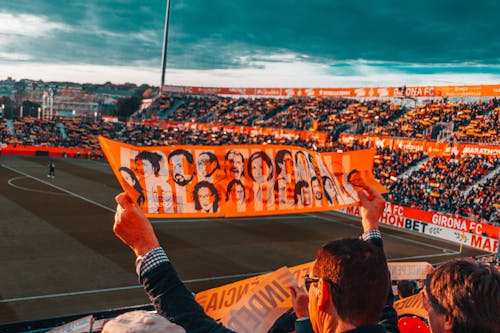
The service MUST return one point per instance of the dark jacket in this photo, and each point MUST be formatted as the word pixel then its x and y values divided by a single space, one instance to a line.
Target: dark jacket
pixel 175 302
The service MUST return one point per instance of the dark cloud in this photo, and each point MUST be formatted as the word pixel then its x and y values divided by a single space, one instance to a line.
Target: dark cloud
pixel 217 34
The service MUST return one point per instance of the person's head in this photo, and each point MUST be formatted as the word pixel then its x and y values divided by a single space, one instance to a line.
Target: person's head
pixel 329 189
pixel 130 178
pixel 234 163
pixel 301 164
pixel 284 162
pixel 235 191
pixel 141 321
pixel 207 164
pixel 182 166
pixel 206 197
pixel 354 178
pixel 280 189
pixel 349 283
pixel 150 162
pixel 316 188
pixel 463 295
pixel 405 288
pixel 302 193
pixel 260 167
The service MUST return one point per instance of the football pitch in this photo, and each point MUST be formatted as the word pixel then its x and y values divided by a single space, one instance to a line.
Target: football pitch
pixel 59 255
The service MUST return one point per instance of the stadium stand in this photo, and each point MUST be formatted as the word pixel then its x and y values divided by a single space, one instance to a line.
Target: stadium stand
pixel 413 179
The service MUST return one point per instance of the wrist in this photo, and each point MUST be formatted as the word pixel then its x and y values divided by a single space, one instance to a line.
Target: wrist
pixel 142 249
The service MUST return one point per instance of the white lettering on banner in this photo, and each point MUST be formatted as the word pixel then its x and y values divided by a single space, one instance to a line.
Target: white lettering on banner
pixel 409 270
pixel 360 92
pixel 448 229
pixel 410 146
pixel 241 91
pixel 457 223
pixel 178 89
pixel 394 209
pixel 383 92
pixel 480 151
pixel 207 90
pixel 337 93
pixel 414 91
pixel 484 243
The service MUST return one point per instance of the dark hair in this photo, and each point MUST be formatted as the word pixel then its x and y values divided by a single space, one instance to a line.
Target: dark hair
pixel 152 157
pixel 469 292
pixel 137 185
pixel 327 195
pixel 237 153
pixel 298 189
pixel 212 189
pixel 212 158
pixel 359 272
pixel 230 186
pixel 405 288
pixel 265 158
pixel 187 155
pixel 280 158
pixel 234 152
pixel 314 178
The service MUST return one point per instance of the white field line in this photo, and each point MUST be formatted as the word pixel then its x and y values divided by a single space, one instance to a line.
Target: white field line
pixel 60 189
pixel 11 183
pixel 105 290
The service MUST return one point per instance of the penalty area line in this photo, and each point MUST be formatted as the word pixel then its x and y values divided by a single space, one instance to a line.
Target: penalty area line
pixel 60 188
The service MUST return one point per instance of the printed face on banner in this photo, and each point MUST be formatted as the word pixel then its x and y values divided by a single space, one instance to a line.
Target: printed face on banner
pixel 316 188
pixel 128 176
pixel 253 179
pixel 206 198
pixel 234 164
pixel 331 193
pixel 301 166
pixel 206 165
pixel 182 168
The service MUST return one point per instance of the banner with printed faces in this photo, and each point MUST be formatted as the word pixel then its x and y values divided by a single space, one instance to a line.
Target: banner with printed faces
pixel 245 180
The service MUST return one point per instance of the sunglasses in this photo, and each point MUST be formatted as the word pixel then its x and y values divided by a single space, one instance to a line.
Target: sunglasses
pixel 308 280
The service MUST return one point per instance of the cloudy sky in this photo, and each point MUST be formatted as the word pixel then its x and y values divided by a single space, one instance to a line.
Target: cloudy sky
pixel 271 43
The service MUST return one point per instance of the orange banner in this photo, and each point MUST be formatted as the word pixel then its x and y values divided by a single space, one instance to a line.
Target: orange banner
pixel 360 92
pixel 245 180
pixel 278 133
pixel 430 147
pixel 257 311
pixel 217 302
pixel 16 149
pixel 413 305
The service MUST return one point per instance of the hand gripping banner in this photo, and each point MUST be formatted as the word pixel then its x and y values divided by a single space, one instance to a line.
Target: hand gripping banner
pixel 240 180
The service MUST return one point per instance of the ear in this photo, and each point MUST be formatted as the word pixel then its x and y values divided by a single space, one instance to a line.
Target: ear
pixel 324 296
pixel 448 323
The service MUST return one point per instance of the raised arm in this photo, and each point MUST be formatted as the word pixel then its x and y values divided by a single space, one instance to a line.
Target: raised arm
pixel 168 294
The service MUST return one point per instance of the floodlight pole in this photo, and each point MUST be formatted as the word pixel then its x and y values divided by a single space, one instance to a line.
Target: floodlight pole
pixel 164 50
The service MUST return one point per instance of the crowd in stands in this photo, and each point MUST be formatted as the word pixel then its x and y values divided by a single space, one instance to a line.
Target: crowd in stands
pixel 391 163
pixel 439 184
pixel 472 122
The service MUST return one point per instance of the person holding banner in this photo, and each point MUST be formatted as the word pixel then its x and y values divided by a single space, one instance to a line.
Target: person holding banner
pixel 349 287
pixel 173 300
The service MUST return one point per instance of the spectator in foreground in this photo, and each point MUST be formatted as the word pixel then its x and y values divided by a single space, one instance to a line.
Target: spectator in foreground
pixel 462 296
pixel 141 321
pixel 335 305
